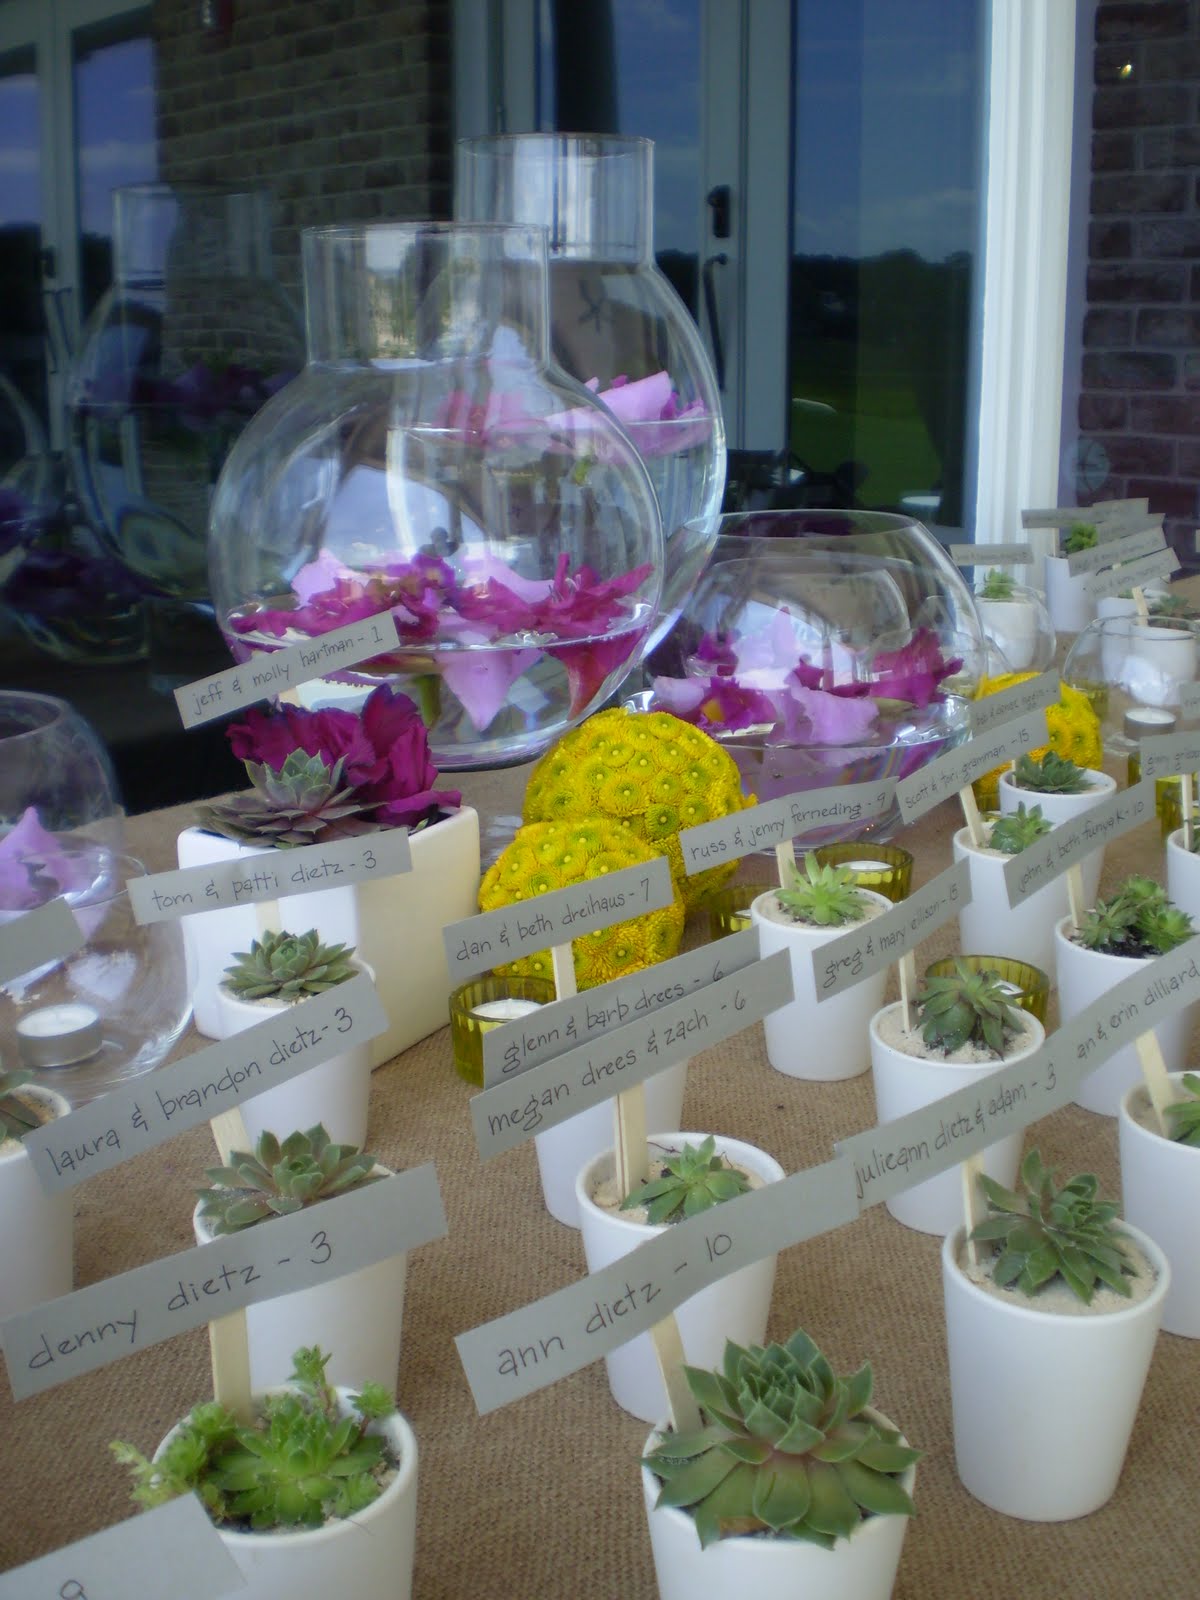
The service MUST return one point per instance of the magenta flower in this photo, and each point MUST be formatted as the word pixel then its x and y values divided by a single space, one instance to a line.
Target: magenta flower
pixel 481 680
pixel 815 716
pixel 718 705
pixel 716 654
pixel 914 672
pixel 34 866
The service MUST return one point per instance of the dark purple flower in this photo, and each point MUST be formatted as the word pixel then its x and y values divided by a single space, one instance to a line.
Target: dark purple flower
pixel 914 672
pixel 717 654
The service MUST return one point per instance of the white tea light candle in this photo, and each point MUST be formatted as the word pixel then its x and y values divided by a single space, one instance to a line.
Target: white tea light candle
pixel 497 1011
pixel 59 1036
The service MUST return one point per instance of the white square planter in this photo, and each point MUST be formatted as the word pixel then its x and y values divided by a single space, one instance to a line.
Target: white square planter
pixel 393 923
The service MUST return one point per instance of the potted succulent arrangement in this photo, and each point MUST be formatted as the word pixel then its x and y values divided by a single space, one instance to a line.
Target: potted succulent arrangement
pixel 317 777
pixel 1070 606
pixel 317 1495
pixel 1050 1334
pixel 358 1315
pixel 987 921
pixel 1015 620
pixel 1160 1187
pixel 1062 790
pixel 688 1174
pixel 792 1486
pixel 805 1039
pixel 278 971
pixel 37 1261
pixel 1183 868
pixel 965 1028
pixel 1136 924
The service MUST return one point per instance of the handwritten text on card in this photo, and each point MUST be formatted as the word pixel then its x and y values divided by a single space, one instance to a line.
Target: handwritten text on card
pixel 789 817
pixel 1031 869
pixel 1165 754
pixel 871 946
pixel 1109 551
pixel 1131 574
pixel 991 555
pixel 1044 690
pixel 935 782
pixel 32 939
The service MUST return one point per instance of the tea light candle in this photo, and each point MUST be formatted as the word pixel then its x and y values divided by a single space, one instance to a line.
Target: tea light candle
pixel 867 866
pixel 1143 720
pixel 59 1036
pixel 497 1011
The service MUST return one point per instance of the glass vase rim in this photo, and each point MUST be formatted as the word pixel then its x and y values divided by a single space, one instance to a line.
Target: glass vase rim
pixel 865 522
pixel 53 704
pixel 190 190
pixel 416 227
pixel 612 144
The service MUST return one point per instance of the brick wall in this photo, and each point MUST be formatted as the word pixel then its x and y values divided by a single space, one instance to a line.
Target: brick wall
pixel 1140 394
pixel 341 107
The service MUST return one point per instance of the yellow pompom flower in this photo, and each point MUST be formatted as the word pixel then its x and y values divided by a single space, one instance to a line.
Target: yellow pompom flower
pixel 554 855
pixel 1074 732
pixel 648 772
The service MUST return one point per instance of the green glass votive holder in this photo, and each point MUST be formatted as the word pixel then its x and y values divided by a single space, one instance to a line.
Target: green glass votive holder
pixel 1030 985
pixel 729 909
pixel 885 868
pixel 486 1003
pixel 1168 795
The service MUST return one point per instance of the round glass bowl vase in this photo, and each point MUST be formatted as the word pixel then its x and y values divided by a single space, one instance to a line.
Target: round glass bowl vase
pixel 1132 674
pixel 430 464
pixel 823 648
pixel 194 335
pixel 1016 623
pixel 616 324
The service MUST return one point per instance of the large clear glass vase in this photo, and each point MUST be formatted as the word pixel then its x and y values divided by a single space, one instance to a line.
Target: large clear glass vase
pixel 194 335
pixel 616 324
pixel 432 464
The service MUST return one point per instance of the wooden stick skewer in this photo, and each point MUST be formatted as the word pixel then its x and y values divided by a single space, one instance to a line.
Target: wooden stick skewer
pixel 1187 803
pixel 682 1409
pixel 785 860
pixel 974 1207
pixel 971 815
pixel 906 969
pixel 1139 601
pixel 1075 894
pixel 1154 1071
pixel 228 1343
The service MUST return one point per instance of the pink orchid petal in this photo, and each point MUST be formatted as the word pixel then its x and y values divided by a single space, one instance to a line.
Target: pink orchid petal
pixel 679 695
pixel 481 680
pixel 829 718
pixel 319 576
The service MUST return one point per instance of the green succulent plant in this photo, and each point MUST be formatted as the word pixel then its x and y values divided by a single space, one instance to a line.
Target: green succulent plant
pixel 1183 1116
pixel 967 1006
pixel 305 801
pixel 1040 1233
pixel 694 1179
pixel 16 1117
pixel 1016 830
pixel 1053 774
pixel 1082 536
pixel 300 1462
pixel 998 585
pixel 278 1179
pixel 1137 921
pixel 785 1449
pixel 825 896
pixel 288 966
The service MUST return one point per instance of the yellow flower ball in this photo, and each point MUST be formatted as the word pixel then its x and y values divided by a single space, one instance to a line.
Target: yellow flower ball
pixel 648 772
pixel 1074 732
pixel 554 855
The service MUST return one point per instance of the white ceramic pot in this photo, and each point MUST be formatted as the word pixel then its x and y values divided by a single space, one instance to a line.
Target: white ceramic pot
pixel 564 1149
pixel 37 1250
pixel 1059 808
pixel 1083 977
pixel 1013 627
pixel 756 1567
pixel 818 1042
pixel 1158 660
pixel 1044 1401
pixel 903 1083
pixel 1160 1188
pixel 989 926
pixel 393 923
pixel 734 1308
pixel 358 1558
pixel 1070 606
pixel 1183 876
pixel 336 1093
pixel 355 1319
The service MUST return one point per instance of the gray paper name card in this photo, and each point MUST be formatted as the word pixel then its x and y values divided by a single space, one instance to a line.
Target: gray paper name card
pixel 146 1112
pixel 171 1553
pixel 527 1350
pixel 1032 695
pixel 1165 754
pixel 271 672
pixel 63 1338
pixel 1109 551
pixel 273 875
pixel 548 1032
pixel 1189 701
pixel 991 555
pixel 871 946
pixel 1058 517
pixel 1031 869
pixel 1117 524
pixel 477 944
pixel 1132 574
pixel 897 1155
pixel 32 939
pixel 788 817
pixel 940 779
pixel 569 1083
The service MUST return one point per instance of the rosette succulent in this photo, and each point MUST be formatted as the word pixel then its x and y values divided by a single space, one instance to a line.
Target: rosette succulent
pixel 1017 830
pixel 301 1462
pixel 826 897
pixel 998 585
pixel 786 1449
pixel 1051 774
pixel 17 1117
pixel 1183 1116
pixel 967 1007
pixel 691 1180
pixel 288 966
pixel 1072 722
pixel 1081 536
pixel 278 1179
pixel 1040 1233
pixel 1138 921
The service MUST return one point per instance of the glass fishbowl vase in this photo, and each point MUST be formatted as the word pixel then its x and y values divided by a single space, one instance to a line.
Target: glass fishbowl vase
pixel 823 648
pixel 184 348
pixel 432 464
pixel 616 324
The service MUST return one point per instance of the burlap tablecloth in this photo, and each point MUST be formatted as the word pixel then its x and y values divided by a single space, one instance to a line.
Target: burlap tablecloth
pixel 541 1500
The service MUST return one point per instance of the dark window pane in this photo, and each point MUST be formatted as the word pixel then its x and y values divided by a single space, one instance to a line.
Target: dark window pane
pixel 22 358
